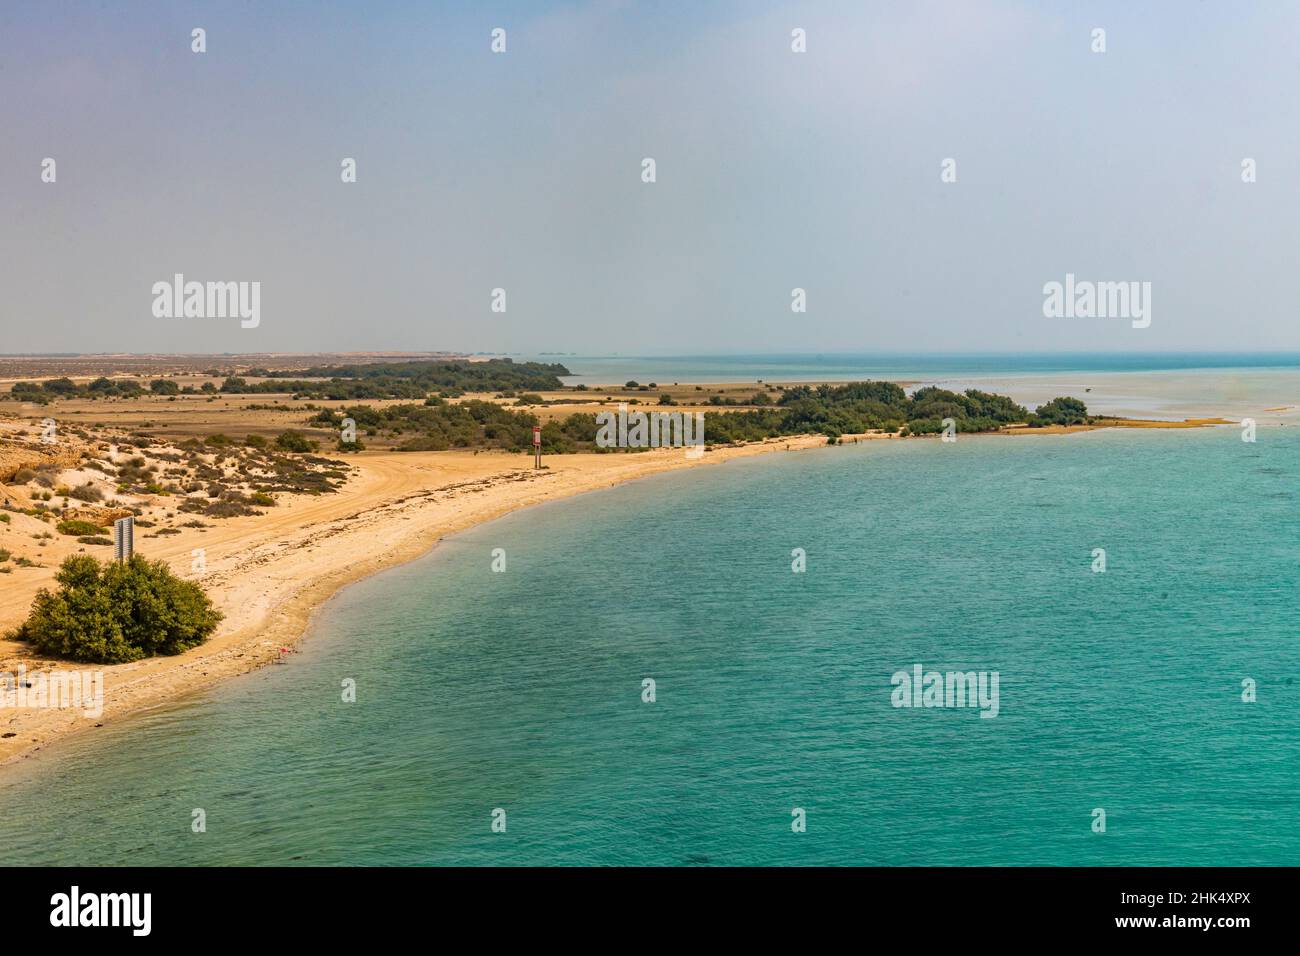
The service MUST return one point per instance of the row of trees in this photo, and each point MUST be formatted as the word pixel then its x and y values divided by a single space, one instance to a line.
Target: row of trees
pixel 869 406
pixel 403 379
pixel 413 380
pixel 830 410
pixel 42 393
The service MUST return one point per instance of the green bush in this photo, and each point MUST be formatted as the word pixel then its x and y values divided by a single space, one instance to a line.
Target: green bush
pixel 294 441
pixel 1061 411
pixel 110 613
pixel 77 527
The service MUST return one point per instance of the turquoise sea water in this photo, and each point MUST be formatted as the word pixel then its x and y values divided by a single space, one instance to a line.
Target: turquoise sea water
pixel 522 690
pixel 833 366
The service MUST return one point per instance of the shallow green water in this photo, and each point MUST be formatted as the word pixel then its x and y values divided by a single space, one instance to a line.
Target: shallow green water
pixel 522 690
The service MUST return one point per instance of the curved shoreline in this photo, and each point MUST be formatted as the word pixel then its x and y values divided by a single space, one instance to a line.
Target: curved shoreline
pixel 399 512
pixel 271 574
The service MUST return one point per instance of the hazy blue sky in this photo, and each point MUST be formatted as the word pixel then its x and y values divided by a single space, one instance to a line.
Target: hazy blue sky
pixel 775 170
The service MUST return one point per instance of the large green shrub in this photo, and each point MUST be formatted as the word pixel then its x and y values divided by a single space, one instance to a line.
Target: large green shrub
pixel 109 613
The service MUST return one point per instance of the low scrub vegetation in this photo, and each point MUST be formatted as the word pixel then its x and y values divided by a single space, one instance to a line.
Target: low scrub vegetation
pixel 77 527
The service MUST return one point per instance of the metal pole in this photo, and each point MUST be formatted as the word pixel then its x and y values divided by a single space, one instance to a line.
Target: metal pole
pixel 124 539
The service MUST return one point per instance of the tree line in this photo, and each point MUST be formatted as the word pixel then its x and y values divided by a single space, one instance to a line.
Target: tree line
pixel 856 408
